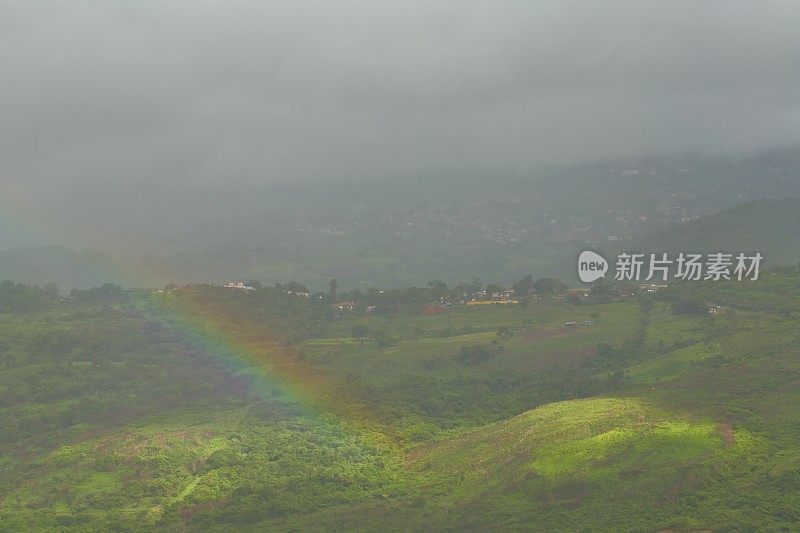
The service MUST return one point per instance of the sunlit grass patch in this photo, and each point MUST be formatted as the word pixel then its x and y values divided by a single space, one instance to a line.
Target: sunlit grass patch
pixel 673 364
pixel 594 456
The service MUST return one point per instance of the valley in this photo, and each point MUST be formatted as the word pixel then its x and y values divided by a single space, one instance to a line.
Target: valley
pixel 199 407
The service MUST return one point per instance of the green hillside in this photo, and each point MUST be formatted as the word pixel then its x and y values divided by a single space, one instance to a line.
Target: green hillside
pixel 119 412
pixel 368 258
pixel 766 226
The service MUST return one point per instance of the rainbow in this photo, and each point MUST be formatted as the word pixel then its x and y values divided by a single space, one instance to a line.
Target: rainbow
pixel 243 347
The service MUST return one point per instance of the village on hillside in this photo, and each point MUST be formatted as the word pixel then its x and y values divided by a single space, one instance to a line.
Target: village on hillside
pixel 437 297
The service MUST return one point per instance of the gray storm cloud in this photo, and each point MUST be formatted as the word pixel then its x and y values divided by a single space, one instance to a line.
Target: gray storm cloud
pixel 195 92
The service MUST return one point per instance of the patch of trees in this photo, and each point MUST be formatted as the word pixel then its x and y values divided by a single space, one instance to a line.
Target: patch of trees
pixel 384 339
pixel 107 293
pixel 291 318
pixel 549 286
pixel 689 306
pixel 292 287
pixel 359 332
pixel 635 348
pixel 19 298
pixel 523 287
pixel 477 353
pixel 505 332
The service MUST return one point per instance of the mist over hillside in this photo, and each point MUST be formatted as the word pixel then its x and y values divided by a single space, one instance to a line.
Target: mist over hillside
pixel 767 226
pixel 168 218
pixel 407 232
pixel 66 268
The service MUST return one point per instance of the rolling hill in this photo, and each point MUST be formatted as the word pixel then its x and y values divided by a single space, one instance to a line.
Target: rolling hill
pixel 125 418
pixel 766 226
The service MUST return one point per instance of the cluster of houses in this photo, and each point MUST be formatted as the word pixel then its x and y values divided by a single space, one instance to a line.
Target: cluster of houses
pixel 241 286
pixel 651 287
pixel 498 297
pixel 237 285
pixel 474 298
pixel 585 324
pixel 345 305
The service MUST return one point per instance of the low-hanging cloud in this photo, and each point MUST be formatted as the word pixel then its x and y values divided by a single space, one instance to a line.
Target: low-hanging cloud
pixel 187 93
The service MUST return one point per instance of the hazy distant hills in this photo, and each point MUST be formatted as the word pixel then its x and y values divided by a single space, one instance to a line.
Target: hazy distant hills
pixel 56 264
pixel 771 227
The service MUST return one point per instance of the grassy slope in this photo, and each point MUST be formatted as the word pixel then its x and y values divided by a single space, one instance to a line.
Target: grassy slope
pixel 363 260
pixel 766 226
pixel 703 434
pixel 705 437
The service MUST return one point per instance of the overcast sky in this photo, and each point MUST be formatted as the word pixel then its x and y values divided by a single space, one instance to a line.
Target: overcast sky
pixel 135 92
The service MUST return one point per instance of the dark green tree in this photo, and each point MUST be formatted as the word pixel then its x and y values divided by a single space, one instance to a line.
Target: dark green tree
pixel 549 286
pixel 334 285
pixel 359 332
pixel 493 287
pixel 523 287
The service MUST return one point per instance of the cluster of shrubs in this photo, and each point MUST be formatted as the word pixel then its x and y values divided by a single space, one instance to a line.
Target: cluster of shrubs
pixel 20 298
pixel 477 353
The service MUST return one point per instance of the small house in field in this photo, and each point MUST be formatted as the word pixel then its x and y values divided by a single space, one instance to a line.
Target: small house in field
pixel 238 285
pixel 492 302
pixel 579 294
pixel 345 305
pixel 432 309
